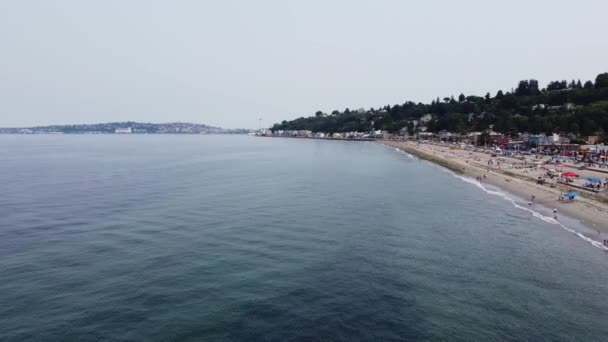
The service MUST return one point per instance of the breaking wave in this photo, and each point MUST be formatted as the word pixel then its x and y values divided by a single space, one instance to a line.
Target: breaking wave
pixel 400 151
pixel 534 213
pixel 504 196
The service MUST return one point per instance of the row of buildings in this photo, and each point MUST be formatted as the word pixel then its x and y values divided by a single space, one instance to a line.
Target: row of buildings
pixel 488 137
pixel 588 150
pixel 492 138
pixel 375 134
pixel 552 144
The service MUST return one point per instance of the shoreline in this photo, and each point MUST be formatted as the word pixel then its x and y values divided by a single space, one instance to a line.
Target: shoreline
pixel 317 138
pixel 591 213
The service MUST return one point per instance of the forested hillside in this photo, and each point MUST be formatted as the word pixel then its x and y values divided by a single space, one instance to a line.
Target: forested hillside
pixel 561 106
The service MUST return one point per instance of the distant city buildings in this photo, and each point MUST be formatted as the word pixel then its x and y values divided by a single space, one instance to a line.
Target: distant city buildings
pixel 129 127
pixel 123 130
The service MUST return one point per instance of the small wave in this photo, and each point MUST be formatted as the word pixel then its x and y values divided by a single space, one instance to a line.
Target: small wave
pixel 504 196
pixel 400 151
pixel 533 212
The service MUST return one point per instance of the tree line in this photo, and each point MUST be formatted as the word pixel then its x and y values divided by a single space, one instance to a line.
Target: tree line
pixel 561 107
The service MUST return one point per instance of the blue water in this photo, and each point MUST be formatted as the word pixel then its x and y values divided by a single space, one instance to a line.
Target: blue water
pixel 237 238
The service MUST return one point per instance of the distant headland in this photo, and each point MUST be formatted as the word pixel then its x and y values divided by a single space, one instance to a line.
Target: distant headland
pixel 127 127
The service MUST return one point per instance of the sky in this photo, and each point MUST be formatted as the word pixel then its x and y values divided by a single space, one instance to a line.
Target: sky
pixel 228 63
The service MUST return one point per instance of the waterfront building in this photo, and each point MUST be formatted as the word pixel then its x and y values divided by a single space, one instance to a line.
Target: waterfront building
pixel 123 130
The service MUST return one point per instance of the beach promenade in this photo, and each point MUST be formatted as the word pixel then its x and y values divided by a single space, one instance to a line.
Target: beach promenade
pixel 507 173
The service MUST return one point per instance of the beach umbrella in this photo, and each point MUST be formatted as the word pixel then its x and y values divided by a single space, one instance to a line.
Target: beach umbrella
pixel 560 165
pixel 570 174
pixel 571 194
pixel 594 180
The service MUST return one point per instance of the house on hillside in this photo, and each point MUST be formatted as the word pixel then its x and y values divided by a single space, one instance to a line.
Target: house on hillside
pixel 426 118
pixel 539 106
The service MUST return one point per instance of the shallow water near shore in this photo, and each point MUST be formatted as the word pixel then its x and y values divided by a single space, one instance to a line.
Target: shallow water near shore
pixel 539 210
pixel 239 238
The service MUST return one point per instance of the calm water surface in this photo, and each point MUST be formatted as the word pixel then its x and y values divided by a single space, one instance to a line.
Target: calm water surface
pixel 236 238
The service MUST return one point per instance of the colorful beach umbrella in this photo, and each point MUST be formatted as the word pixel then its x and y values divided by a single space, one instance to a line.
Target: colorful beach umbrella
pixel 570 174
pixel 571 194
pixel 594 180
pixel 560 165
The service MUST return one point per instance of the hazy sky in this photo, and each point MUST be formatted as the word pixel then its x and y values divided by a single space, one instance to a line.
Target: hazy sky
pixel 227 63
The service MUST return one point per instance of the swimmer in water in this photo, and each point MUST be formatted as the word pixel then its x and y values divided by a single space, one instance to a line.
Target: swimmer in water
pixel 554 213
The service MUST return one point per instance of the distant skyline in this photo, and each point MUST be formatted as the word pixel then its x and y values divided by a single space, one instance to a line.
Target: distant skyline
pixel 228 63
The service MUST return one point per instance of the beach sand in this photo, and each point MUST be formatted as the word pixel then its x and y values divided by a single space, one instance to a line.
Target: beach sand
pixel 590 209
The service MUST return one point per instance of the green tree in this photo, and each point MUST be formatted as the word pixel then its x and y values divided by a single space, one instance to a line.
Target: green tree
pixel 410 128
pixel 509 112
pixel 601 81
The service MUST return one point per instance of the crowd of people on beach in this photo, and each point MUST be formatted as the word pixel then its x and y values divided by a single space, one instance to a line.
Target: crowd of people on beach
pixel 596 184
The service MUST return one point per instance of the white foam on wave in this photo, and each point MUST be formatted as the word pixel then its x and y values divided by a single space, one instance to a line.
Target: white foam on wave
pixel 534 213
pixel 400 151
pixel 504 196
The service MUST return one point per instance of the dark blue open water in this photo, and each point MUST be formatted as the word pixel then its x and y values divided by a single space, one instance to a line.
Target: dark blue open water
pixel 236 238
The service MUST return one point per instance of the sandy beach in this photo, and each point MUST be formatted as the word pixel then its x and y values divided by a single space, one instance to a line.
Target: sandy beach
pixel 591 209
